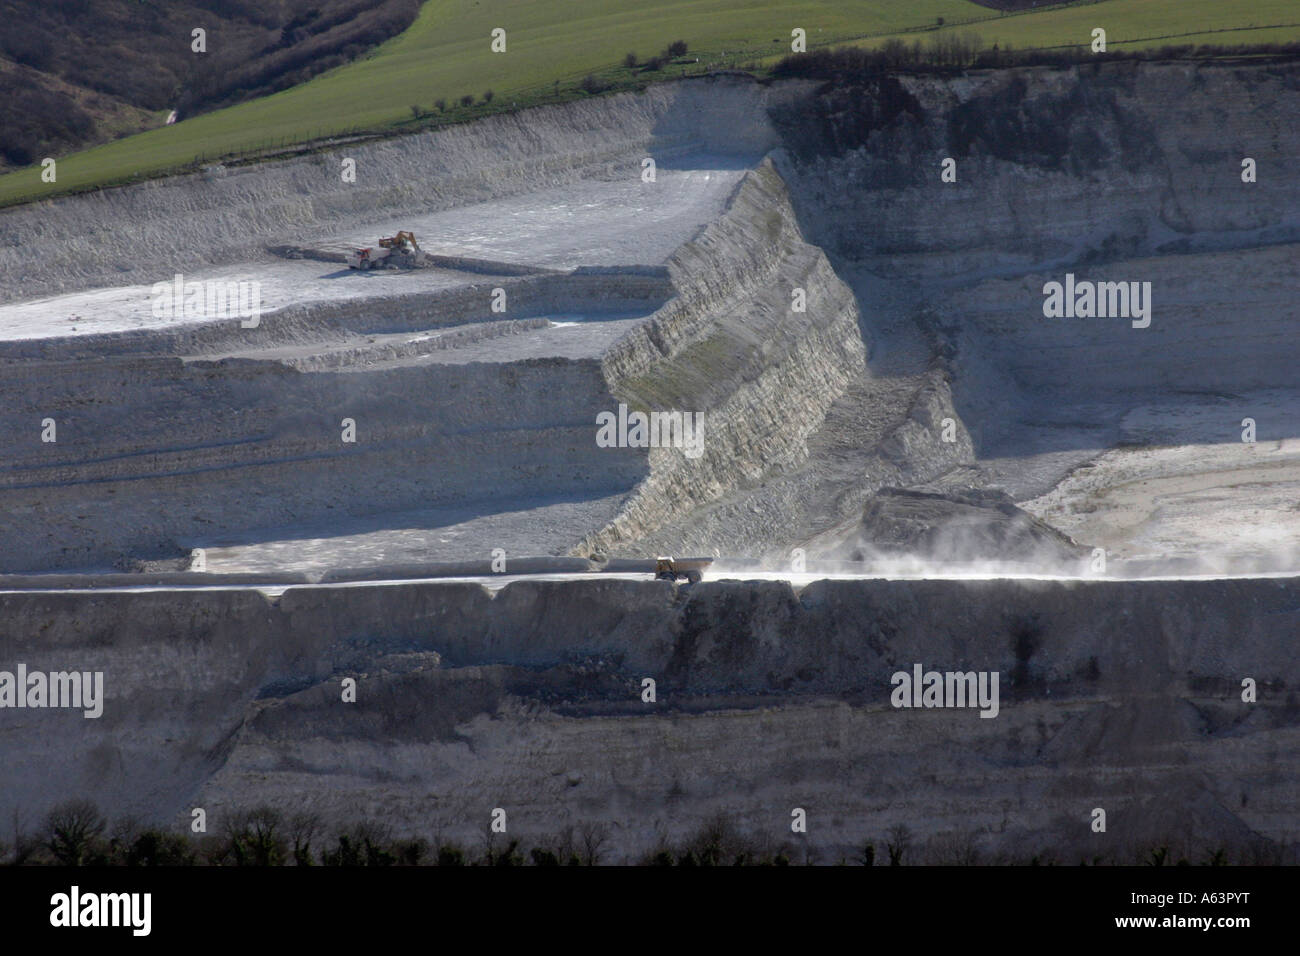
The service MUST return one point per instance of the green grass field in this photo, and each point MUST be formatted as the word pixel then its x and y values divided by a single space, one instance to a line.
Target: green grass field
pixel 1133 24
pixel 446 54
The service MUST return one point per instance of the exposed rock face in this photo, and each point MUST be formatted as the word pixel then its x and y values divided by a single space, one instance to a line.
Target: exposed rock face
pixel 165 451
pixel 726 344
pixel 1125 172
pixel 1085 170
pixel 767 699
pixel 1089 171
pixel 731 345
pixel 182 436
pixel 1115 173
pixel 1079 165
pixel 154 451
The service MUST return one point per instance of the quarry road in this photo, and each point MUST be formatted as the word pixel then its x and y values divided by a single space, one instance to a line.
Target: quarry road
pixel 495 582
pixel 282 283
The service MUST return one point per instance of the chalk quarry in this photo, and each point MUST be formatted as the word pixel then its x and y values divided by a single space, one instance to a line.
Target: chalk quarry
pixel 904 462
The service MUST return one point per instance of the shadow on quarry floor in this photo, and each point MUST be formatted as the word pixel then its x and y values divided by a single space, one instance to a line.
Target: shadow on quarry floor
pixel 548 526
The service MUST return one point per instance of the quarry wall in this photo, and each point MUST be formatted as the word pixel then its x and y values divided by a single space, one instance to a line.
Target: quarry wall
pixel 1053 166
pixel 151 447
pixel 733 345
pixel 233 698
pixel 1119 172
pixel 155 454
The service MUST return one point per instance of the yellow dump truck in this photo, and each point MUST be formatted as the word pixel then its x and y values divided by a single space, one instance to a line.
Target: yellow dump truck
pixel 674 569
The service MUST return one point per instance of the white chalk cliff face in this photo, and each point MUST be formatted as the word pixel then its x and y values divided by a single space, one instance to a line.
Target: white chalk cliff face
pixel 1138 434
pixel 843 319
pixel 474 386
pixel 677 294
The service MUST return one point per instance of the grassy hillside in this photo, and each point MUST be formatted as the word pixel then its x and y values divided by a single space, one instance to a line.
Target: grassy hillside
pixel 552 44
pixel 80 73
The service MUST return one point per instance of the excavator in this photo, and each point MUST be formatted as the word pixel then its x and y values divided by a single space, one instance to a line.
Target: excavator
pixel 399 251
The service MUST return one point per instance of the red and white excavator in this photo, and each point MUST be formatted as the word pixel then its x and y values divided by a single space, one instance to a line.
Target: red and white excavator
pixel 399 251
